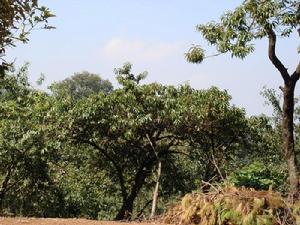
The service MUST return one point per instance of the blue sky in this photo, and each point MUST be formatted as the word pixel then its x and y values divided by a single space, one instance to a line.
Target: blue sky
pixel 100 35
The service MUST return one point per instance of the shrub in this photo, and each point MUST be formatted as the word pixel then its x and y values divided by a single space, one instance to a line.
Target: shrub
pixel 260 177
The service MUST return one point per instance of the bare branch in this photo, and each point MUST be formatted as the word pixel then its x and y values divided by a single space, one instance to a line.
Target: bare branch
pixel 216 166
pixel 209 184
pixel 213 55
pixel 151 144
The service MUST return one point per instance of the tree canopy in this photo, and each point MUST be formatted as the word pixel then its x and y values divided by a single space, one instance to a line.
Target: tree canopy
pixel 98 156
pixel 81 85
pixel 136 126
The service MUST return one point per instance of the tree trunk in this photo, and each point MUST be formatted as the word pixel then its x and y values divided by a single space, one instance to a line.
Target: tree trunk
pixel 288 111
pixel 2 71
pixel 125 213
pixel 155 193
pixel 288 136
pixel 5 185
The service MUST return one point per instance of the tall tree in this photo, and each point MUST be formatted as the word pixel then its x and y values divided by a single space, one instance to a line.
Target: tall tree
pixel 137 126
pixel 17 19
pixel 81 85
pixel 236 32
pixel 127 128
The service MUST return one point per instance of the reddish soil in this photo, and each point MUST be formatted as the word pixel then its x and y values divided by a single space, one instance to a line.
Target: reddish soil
pixel 54 221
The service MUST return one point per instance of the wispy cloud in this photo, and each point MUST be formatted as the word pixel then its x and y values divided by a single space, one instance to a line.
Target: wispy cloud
pixel 138 50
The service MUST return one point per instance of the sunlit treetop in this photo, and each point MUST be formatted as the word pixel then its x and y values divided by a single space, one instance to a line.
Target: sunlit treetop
pixel 125 76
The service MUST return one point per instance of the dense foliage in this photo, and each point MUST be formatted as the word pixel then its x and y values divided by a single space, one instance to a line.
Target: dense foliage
pixel 97 155
pixel 81 85
pixel 25 157
pixel 85 149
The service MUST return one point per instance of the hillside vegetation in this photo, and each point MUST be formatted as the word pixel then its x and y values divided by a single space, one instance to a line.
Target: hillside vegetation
pixel 238 206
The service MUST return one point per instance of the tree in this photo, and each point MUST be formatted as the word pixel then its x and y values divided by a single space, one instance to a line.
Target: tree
pixel 81 85
pixel 274 99
pixel 25 184
pixel 215 130
pixel 136 127
pixel 236 32
pixel 130 129
pixel 17 19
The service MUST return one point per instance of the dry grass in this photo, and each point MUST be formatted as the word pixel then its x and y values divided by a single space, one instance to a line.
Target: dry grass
pixel 234 206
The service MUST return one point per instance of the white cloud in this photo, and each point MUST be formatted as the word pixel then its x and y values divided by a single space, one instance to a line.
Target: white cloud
pixel 139 51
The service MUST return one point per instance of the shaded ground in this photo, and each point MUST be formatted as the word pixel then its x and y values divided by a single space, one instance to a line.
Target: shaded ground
pixel 34 221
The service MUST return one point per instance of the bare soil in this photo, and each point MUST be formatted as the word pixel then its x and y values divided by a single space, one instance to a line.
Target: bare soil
pixel 55 221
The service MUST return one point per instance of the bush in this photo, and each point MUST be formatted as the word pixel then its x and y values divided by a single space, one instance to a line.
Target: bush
pixel 260 177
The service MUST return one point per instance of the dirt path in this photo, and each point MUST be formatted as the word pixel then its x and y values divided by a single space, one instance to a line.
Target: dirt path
pixel 34 221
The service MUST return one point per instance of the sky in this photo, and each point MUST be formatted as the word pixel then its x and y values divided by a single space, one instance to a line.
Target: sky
pixel 100 35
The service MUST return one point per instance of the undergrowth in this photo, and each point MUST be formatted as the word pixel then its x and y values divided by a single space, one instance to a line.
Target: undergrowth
pixel 234 206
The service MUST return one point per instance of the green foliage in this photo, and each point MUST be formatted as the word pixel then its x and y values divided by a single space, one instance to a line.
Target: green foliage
pixel 136 124
pixel 125 77
pixel 195 55
pixel 96 156
pixel 24 172
pixel 261 159
pixel 260 177
pixel 87 192
pixel 128 128
pixel 214 128
pixel 264 141
pixel 17 19
pixel 238 29
pixel 274 99
pixel 236 33
pixel 81 85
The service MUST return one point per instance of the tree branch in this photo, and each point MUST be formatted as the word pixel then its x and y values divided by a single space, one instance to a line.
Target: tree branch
pixel 152 145
pixel 296 75
pixel 273 58
pixel 166 152
pixel 165 137
pixel 117 167
pixel 5 185
pixel 139 215
pixel 216 166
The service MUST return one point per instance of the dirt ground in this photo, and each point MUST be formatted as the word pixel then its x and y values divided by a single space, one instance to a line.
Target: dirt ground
pixel 35 221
